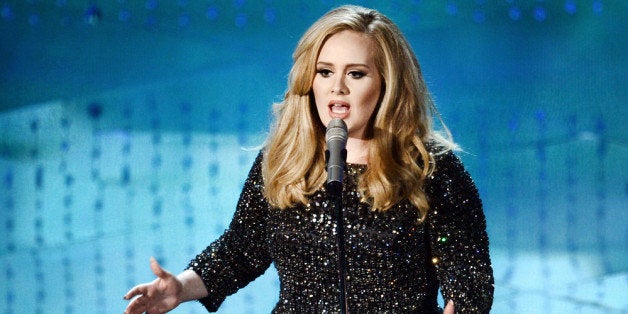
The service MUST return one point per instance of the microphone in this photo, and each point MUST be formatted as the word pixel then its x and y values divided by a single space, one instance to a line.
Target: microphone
pixel 336 154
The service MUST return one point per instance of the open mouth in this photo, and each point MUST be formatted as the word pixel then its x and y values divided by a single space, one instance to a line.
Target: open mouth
pixel 339 107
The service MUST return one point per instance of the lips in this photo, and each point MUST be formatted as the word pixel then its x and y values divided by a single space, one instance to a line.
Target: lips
pixel 339 109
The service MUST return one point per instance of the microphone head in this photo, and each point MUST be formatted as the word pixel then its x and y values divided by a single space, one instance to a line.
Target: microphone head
pixel 336 155
pixel 336 131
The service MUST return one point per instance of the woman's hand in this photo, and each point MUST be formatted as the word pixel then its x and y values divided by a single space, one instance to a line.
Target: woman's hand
pixel 449 308
pixel 159 296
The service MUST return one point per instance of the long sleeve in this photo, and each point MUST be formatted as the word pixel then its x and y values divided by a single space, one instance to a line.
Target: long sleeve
pixel 459 242
pixel 241 254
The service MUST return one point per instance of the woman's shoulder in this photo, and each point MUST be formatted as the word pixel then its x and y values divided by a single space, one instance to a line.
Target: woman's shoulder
pixel 443 150
pixel 450 185
pixel 447 163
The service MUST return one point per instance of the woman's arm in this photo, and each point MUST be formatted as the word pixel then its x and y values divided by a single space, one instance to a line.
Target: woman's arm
pixel 241 254
pixel 458 237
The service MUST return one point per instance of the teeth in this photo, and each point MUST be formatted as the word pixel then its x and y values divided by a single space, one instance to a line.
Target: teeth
pixel 339 109
pixel 336 108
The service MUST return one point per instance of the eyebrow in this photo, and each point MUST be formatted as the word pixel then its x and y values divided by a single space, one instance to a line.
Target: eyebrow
pixel 348 65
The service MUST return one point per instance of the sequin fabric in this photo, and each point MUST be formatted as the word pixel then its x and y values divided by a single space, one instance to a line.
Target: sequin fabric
pixel 394 262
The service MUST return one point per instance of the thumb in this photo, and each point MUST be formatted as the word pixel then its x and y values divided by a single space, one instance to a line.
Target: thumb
pixel 449 309
pixel 157 270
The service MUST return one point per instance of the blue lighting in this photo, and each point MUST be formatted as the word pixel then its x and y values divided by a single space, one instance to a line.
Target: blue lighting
pixel 33 19
pixel 270 15
pixel 151 4
pixel 151 22
pixel 451 8
pixel 241 20
pixel 124 15
pixel 6 13
pixel 93 14
pixel 598 7
pixel 94 110
pixel 211 13
pixel 540 14
pixel 184 20
pixel 479 16
pixel 514 13
pixel 239 3
pixel 571 7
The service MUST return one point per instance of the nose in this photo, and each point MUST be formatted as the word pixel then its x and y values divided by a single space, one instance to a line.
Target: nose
pixel 339 86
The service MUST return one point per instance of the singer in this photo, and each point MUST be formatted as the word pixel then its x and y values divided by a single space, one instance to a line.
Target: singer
pixel 412 218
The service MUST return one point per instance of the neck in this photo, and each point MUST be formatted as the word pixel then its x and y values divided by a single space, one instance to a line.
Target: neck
pixel 357 150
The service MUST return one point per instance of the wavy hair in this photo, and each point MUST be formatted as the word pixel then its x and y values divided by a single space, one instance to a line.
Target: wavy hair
pixel 398 159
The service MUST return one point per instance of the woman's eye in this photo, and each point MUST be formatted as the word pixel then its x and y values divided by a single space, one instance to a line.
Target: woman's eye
pixel 357 74
pixel 324 72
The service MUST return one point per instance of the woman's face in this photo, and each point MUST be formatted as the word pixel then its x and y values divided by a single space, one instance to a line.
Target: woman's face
pixel 347 84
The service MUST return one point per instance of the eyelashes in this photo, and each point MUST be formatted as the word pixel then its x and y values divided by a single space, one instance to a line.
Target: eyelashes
pixel 353 74
pixel 324 72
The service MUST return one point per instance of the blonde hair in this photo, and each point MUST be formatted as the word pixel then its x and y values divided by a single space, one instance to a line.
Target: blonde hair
pixel 398 162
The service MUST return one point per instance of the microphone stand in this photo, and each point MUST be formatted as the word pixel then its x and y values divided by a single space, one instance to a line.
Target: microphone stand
pixel 337 202
pixel 334 190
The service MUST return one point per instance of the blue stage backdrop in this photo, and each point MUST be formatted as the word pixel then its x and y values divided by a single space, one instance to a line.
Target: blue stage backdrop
pixel 127 129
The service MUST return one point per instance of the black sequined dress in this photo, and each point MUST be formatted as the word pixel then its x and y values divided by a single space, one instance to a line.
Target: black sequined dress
pixel 395 263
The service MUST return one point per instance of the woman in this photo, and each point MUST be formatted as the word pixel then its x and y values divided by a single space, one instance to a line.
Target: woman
pixel 413 220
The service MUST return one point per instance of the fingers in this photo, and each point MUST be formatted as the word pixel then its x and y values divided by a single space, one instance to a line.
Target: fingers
pixel 147 292
pixel 449 309
pixel 143 288
pixel 136 306
pixel 137 290
pixel 144 304
pixel 157 270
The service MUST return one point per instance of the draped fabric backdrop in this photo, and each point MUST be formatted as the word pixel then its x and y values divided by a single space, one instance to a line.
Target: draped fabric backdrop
pixel 127 129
